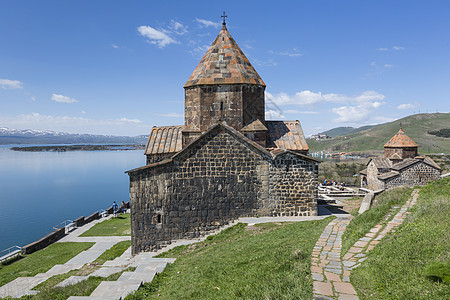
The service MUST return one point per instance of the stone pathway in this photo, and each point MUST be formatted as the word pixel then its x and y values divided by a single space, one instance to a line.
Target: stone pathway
pixel 330 274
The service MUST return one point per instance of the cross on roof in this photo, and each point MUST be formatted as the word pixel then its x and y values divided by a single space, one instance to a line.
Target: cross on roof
pixel 224 16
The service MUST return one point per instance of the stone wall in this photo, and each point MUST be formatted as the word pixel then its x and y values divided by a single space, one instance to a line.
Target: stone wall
pixel 404 152
pixel 153 158
pixel 293 183
pixel 45 241
pixel 417 174
pixel 218 178
pixel 373 183
pixel 212 184
pixel 237 105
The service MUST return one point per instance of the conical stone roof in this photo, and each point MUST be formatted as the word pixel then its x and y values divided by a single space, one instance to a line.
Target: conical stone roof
pixel 400 140
pixel 224 63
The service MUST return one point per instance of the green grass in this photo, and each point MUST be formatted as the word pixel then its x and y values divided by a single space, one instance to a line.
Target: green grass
pixel 266 261
pixel 361 224
pixel 110 254
pixel 83 288
pixel 116 226
pixel 398 267
pixel 115 251
pixel 41 261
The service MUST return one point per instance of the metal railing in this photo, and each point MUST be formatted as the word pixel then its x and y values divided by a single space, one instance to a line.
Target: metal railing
pixel 10 252
pixel 68 224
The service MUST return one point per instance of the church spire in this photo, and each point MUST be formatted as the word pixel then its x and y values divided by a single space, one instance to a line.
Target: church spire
pixel 224 63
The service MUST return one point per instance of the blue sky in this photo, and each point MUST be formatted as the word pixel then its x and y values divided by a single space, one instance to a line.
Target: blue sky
pixel 118 67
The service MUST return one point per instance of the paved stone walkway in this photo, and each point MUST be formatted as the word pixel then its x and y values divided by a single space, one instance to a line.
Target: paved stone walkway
pixel 330 273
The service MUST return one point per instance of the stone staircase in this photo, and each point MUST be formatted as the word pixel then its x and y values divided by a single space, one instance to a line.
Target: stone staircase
pixel 146 269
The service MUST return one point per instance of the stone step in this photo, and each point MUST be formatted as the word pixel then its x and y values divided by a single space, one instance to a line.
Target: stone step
pixel 137 276
pixel 62 269
pixel 71 281
pixel 148 267
pixel 105 272
pixel 115 289
pixel 117 263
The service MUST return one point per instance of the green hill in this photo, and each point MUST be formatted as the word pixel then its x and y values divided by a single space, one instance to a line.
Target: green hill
pixel 415 126
pixel 338 131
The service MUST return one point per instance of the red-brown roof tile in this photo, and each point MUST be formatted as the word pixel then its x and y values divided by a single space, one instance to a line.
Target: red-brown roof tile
pixel 224 62
pixel 287 135
pixel 166 139
pixel 400 140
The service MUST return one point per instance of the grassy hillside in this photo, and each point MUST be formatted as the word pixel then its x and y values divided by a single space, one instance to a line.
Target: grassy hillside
pixel 415 126
pixel 263 261
pixel 338 131
pixel 414 261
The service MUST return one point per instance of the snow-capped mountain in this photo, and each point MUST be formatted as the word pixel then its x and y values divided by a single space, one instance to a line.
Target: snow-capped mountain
pixel 31 136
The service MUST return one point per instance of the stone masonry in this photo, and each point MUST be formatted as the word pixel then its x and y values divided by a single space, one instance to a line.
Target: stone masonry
pixel 216 179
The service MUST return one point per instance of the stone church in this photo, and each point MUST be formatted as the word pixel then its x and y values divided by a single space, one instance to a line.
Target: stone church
pixel 400 166
pixel 225 162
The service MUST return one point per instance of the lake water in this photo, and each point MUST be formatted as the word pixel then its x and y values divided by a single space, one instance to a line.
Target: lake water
pixel 39 190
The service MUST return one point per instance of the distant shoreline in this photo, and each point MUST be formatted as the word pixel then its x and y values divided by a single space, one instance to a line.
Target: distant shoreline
pixel 65 148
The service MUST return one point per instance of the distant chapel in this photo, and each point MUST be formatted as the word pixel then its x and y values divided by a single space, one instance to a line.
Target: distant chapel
pixel 400 166
pixel 225 162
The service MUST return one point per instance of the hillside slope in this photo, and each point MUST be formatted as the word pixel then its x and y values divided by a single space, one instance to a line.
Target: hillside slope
pixel 415 126
pixel 338 131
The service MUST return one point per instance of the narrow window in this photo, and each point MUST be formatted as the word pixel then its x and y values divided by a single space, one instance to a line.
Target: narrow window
pixel 158 219
pixel 221 105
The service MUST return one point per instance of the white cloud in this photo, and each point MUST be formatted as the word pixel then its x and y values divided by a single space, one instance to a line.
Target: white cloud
pixel 301 112
pixel 208 23
pixel 292 53
pixel 33 98
pixel 63 99
pixel 156 37
pixel 356 113
pixel 355 109
pixel 83 112
pixel 264 63
pixel 377 69
pixel 274 115
pixel 408 105
pixel 10 84
pixel 177 28
pixel 396 48
pixel 305 98
pixel 126 120
pixel 114 46
pixel 383 119
pixel 171 115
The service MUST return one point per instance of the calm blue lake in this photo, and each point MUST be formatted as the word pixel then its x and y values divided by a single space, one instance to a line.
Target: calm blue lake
pixel 39 190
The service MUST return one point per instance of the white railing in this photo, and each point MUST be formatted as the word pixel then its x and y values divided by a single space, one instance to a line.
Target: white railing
pixel 9 253
pixel 68 224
